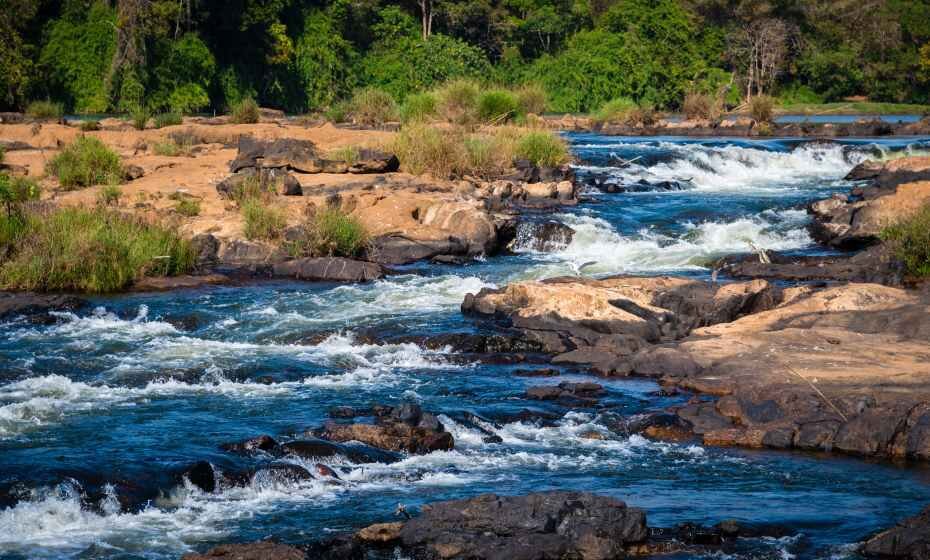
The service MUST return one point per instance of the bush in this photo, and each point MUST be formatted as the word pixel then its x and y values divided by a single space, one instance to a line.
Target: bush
pixel 497 106
pixel 487 156
pixel 90 125
pixel 372 107
pixel 262 220
pixel 140 118
pixel 188 207
pixel 762 108
pixel 84 163
pixel 698 106
pixel 245 112
pixel 95 251
pixel 168 119
pixel 425 149
pixel 334 233
pixel 910 239
pixel 173 148
pixel 542 148
pixel 337 112
pixel 418 107
pixel 15 191
pixel 109 195
pixel 532 99
pixel 457 102
pixel 616 110
pixel 45 110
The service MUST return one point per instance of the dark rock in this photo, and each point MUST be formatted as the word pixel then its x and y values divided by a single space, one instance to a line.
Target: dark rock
pixel 406 428
pixel 280 474
pixel 910 540
pixel 320 449
pixel 580 394
pixel 544 372
pixel 251 446
pixel 167 283
pixel 14 304
pixel 205 247
pixel 399 249
pixel 264 550
pixel 132 172
pixel 542 236
pixel 329 269
pixel 202 475
pixel 868 169
pixel 249 256
pixel 873 265
pixel 291 186
pixel 540 526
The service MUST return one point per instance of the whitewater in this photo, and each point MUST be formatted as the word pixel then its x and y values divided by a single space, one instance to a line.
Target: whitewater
pixel 103 405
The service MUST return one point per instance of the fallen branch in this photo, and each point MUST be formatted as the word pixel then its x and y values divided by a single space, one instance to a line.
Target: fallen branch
pixel 816 390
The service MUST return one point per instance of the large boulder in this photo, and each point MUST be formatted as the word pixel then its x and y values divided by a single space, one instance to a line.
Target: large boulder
pixel 404 428
pixel 909 540
pixel 540 526
pixel 329 269
pixel 14 304
pixel 264 550
pixel 302 156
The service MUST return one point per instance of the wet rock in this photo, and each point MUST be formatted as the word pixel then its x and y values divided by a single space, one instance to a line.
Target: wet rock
pixel 202 475
pixel 869 169
pixel 329 269
pixel 400 249
pixel 909 540
pixel 320 449
pixel 168 283
pixel 251 446
pixel 470 343
pixel 531 527
pixel 875 264
pixel 542 236
pixel 573 394
pixel 264 550
pixel 279 474
pixel 14 304
pixel 543 372
pixel 405 428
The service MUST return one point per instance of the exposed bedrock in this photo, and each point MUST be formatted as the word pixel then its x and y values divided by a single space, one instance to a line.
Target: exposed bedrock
pixel 833 367
pixel 403 428
pixel 908 540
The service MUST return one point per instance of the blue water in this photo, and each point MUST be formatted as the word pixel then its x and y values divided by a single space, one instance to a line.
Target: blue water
pixel 110 402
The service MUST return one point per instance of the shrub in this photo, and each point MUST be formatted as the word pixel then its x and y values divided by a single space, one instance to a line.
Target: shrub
pixel 487 156
pixel 334 233
pixel 372 107
pixel 86 162
pixel 425 149
pixel 245 112
pixel 457 102
pixel 15 191
pixel 140 118
pixel 418 107
pixel 109 195
pixel 700 106
pixel 542 148
pixel 337 112
pixel 93 251
pixel 188 207
pixel 532 99
pixel 762 108
pixel 346 154
pixel 497 105
pixel 262 220
pixel 45 110
pixel 910 239
pixel 173 148
pixel 90 125
pixel 616 110
pixel 168 119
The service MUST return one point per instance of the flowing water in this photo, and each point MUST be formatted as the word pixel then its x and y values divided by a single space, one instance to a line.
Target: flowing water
pixel 143 385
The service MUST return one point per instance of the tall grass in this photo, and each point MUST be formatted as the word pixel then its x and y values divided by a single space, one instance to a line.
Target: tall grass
pixel 457 102
pixel 418 107
pixel 162 120
pixel 425 149
pixel 95 251
pixel 346 154
pixel 333 233
pixel 542 148
pixel 84 163
pixel 910 239
pixel 45 110
pixel 700 106
pixel 532 98
pixel 372 107
pixel 497 106
pixel 624 110
pixel 263 220
pixel 140 118
pixel 245 112
pixel 762 108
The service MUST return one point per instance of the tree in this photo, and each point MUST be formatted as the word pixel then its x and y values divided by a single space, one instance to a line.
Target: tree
pixel 759 50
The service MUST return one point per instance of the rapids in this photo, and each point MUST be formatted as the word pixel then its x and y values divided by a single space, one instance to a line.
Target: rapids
pixel 107 402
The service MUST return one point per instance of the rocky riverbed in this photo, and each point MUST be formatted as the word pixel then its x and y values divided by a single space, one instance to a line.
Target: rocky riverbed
pixel 526 368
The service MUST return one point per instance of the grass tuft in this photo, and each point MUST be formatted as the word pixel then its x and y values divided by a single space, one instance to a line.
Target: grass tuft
pixel 372 107
pixel 188 207
pixel 457 102
pixel 542 148
pixel 346 154
pixel 245 112
pixel 263 220
pixel 910 239
pixel 762 108
pixel 418 107
pixel 333 233
pixel 109 195
pixel 90 125
pixel 84 163
pixel 532 99
pixel 497 106
pixel 700 106
pixel 45 110
pixel 162 120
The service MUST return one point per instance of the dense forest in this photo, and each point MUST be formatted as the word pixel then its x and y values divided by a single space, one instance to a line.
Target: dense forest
pixel 190 56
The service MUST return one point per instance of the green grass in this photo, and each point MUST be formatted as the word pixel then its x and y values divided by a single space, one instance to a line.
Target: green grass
pixel 16 191
pixel 346 154
pixel 45 110
pixel 532 98
pixel 245 112
pixel 854 108
pixel 425 149
pixel 162 120
pixel 334 233
pixel 910 239
pixel 497 106
pixel 457 102
pixel 615 110
pixel 372 107
pixel 84 163
pixel 337 112
pixel 172 148
pixel 140 118
pixel 94 251
pixel 542 148
pixel 188 207
pixel 418 107
pixel 109 195
pixel 90 125
pixel 263 221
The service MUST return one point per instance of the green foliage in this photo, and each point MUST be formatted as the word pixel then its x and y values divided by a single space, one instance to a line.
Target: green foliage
pixel 188 207
pixel 532 98
pixel 835 73
pixel 418 107
pixel 762 108
pixel 90 125
pixel 84 163
pixel 263 221
pixel 797 94
pixel 16 191
pixel 245 112
pixel 95 251
pixel 45 110
pixel 618 109
pixel 497 105
pixel 184 75
pixel 910 239
pixel 338 112
pixel 426 149
pixel 140 118
pixel 162 120
pixel 109 195
pixel 334 233
pixel 171 148
pixel 542 148
pixel 457 101
pixel 346 154
pixel 323 62
pixel 188 98
pixel 17 68
pixel 77 55
pixel 372 107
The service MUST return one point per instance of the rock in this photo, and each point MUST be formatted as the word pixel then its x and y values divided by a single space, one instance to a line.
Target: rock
pixel 329 269
pixel 536 526
pixel 205 247
pixel 320 449
pixel 868 169
pixel 664 362
pixel 202 475
pixel 251 446
pixel 166 283
pixel 302 156
pixel 568 393
pixel 401 249
pixel 374 161
pixel 14 304
pixel 542 236
pixel 405 428
pixel 909 540
pixel 380 533
pixel 264 550
pixel 243 254
pixel 132 172
pixel 544 372
pixel 291 186
pixel 875 264
pixel 279 474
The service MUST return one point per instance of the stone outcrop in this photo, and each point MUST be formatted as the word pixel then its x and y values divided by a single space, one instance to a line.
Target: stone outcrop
pixel 263 550
pixel 329 269
pixel 13 304
pixel 302 156
pixel 874 265
pixel 541 526
pixel 404 428
pixel 908 540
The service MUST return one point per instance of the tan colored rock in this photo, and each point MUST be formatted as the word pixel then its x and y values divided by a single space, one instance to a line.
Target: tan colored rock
pixel 380 532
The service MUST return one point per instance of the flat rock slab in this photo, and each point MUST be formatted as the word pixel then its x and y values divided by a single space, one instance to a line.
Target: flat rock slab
pixel 264 550
pixel 13 304
pixel 329 269
pixel 910 540
pixel 165 283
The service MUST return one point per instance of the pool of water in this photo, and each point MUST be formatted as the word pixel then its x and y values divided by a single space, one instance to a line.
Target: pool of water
pixel 122 396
